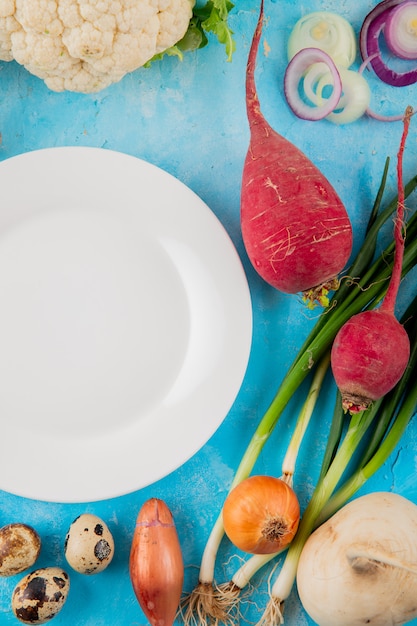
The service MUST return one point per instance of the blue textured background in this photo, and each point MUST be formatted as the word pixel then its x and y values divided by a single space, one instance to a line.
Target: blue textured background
pixel 189 118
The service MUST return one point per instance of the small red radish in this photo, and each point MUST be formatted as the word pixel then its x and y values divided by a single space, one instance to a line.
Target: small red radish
pixel 295 228
pixel 371 350
pixel 156 564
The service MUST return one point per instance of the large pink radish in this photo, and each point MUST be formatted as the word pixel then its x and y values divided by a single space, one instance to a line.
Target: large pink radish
pixel 371 350
pixel 295 228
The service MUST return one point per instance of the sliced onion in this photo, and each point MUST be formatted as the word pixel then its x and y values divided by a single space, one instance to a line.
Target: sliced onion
pixel 382 7
pixel 370 112
pixel 355 98
pixel 295 71
pixel 328 32
pixel 312 77
pixel 401 30
pixel 369 44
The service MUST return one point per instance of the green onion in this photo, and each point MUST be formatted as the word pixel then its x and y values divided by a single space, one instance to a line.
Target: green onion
pixel 288 464
pixel 221 602
pixel 366 288
pixel 226 595
pixel 325 500
pixel 343 456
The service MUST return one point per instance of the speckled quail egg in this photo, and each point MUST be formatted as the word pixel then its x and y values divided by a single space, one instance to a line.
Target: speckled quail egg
pixel 20 545
pixel 89 545
pixel 40 595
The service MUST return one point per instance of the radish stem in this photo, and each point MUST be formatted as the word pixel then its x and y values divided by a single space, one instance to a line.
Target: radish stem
pixel 371 351
pixel 390 299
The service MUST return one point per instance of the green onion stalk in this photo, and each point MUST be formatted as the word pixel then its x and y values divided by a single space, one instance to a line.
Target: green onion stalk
pixel 393 413
pixel 380 428
pixel 388 417
pixel 224 598
pixel 364 286
pixel 339 460
pixel 227 595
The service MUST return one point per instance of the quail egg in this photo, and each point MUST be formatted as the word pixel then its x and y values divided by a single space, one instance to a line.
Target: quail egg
pixel 89 545
pixel 40 595
pixel 19 548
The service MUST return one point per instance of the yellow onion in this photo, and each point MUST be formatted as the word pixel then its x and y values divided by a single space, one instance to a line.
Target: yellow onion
pixel 261 515
pixel 156 564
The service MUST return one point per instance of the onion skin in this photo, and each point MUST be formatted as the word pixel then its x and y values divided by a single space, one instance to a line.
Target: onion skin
pixel 352 570
pixel 261 515
pixel 156 564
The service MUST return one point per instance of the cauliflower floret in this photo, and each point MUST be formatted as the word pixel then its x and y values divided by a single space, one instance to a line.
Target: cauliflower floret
pixel 8 25
pixel 41 56
pixel 40 16
pixel 86 45
pixel 86 42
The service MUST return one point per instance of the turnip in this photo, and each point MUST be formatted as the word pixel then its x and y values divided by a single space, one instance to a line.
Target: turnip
pixel 371 350
pixel 360 567
pixel 295 228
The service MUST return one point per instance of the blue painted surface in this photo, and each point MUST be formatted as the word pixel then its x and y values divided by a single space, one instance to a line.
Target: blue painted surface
pixel 189 118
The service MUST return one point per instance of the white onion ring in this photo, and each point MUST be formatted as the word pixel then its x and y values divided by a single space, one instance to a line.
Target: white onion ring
pixel 355 99
pixel 312 77
pixel 327 31
pixel 296 69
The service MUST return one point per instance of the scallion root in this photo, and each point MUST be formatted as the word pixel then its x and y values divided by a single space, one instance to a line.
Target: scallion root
pixel 273 614
pixel 228 597
pixel 205 606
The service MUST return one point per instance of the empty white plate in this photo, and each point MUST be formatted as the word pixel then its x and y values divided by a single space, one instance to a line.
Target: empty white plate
pixel 125 324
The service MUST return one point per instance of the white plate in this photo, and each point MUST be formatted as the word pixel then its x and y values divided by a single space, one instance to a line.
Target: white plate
pixel 125 324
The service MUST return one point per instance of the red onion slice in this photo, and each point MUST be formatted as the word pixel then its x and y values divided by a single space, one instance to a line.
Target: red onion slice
pixel 369 111
pixel 372 28
pixel 296 69
pixel 401 30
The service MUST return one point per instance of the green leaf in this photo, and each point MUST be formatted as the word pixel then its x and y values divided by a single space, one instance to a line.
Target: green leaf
pixel 195 37
pixel 174 51
pixel 210 18
pixel 213 18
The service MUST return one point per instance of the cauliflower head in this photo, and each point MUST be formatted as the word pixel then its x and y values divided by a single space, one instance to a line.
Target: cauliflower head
pixel 86 45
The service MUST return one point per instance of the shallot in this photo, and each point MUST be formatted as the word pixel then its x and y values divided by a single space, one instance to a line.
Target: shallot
pixel 156 564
